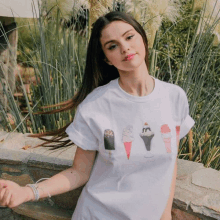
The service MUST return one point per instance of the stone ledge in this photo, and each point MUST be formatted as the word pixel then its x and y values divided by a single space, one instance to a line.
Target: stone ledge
pixel 201 178
pixel 41 161
pixel 12 152
pixel 197 198
pixel 9 156
pixel 42 212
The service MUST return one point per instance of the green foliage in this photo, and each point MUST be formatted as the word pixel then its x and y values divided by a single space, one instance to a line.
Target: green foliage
pixel 57 54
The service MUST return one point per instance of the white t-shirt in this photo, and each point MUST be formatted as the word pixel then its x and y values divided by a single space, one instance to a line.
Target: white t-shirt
pixel 136 140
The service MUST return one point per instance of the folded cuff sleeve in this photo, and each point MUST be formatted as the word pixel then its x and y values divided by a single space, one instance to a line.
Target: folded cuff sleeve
pixel 186 125
pixel 80 133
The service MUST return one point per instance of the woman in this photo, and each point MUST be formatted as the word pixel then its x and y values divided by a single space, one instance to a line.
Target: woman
pixel 130 119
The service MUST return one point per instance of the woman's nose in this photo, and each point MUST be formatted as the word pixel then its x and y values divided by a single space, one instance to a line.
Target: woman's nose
pixel 125 47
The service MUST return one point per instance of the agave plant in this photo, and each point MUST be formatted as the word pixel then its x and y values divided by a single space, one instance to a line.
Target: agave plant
pixel 58 72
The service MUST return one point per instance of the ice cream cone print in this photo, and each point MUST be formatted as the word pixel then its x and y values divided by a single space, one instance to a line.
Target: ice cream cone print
pixel 177 135
pixel 167 142
pixel 109 141
pixel 147 136
pixel 166 135
pixel 128 148
pixel 127 139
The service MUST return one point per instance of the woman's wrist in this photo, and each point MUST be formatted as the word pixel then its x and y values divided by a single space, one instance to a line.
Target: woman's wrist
pixel 30 194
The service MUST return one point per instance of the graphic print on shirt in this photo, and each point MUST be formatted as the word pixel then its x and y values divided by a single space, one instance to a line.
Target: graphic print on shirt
pixel 109 141
pixel 177 135
pixel 166 135
pixel 147 136
pixel 127 139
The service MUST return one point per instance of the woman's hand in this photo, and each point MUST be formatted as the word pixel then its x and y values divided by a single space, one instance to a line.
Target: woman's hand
pixel 12 195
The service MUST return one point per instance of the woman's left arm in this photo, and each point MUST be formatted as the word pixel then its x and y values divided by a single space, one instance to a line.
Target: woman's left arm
pixel 167 212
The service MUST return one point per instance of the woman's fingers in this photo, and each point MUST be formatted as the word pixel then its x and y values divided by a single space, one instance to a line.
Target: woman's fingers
pixel 5 193
pixel 2 197
pixel 11 194
pixel 7 197
pixel 3 183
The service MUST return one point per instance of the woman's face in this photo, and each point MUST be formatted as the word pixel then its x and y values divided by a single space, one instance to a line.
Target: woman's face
pixel 123 46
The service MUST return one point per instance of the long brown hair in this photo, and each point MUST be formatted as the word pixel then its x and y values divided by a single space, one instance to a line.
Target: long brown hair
pixel 97 73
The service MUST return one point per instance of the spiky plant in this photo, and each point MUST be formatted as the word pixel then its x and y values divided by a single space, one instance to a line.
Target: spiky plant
pixel 98 8
pixel 211 14
pixel 67 8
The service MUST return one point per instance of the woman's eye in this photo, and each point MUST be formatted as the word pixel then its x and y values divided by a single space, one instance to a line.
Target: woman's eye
pixel 129 37
pixel 112 47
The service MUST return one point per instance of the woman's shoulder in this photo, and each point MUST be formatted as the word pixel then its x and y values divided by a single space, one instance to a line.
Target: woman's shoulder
pixel 97 95
pixel 174 90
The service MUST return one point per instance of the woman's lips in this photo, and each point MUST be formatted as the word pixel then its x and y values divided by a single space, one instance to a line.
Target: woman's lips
pixel 129 57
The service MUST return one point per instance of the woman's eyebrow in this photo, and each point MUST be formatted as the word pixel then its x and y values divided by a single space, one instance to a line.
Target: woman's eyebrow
pixel 122 36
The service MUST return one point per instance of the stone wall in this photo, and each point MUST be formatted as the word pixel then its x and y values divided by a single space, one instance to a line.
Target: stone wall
pixel 197 192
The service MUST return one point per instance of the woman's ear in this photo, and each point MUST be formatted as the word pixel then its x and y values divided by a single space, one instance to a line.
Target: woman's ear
pixel 107 61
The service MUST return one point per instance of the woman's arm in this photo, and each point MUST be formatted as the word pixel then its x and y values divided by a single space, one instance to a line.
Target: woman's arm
pixel 62 182
pixel 167 212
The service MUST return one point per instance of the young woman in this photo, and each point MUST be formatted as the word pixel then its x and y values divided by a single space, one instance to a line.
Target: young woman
pixel 133 122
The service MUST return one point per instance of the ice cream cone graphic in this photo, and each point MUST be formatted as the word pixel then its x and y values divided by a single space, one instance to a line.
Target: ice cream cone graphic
pixel 177 135
pixel 109 140
pixel 166 135
pixel 147 136
pixel 128 148
pixel 127 139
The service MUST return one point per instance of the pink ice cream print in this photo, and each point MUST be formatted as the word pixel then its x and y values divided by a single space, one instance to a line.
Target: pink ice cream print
pixel 177 135
pixel 166 135
pixel 127 139
pixel 109 140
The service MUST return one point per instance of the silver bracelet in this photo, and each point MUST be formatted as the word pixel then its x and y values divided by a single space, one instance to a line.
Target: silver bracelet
pixel 35 187
pixel 35 191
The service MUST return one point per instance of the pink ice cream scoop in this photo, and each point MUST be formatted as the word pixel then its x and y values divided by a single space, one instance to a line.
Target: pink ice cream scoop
pixel 166 135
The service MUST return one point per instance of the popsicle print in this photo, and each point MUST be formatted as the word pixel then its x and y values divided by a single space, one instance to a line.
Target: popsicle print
pixel 127 139
pixel 166 135
pixel 109 141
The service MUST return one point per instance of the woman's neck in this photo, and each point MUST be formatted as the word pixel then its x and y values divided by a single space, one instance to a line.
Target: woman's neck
pixel 137 82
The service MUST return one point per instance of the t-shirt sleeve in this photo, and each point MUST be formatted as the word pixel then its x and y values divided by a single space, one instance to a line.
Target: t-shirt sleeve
pixel 181 112
pixel 81 134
